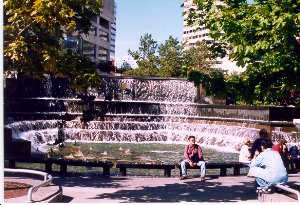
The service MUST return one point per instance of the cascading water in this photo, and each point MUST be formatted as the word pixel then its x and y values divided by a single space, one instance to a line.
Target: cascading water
pixel 132 110
pixel 43 133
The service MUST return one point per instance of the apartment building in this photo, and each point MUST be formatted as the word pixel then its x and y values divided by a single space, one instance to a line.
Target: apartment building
pixel 192 34
pixel 100 42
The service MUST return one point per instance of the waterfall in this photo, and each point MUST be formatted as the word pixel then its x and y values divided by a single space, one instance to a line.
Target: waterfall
pixel 43 133
pixel 131 110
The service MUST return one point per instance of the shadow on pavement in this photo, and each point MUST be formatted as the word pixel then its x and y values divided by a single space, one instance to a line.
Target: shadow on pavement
pixel 66 199
pixel 134 189
pixel 189 192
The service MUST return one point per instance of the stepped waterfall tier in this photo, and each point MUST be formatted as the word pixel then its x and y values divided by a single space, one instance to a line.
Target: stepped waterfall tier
pixel 135 110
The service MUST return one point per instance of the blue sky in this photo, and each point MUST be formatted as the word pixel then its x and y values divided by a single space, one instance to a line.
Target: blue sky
pixel 135 18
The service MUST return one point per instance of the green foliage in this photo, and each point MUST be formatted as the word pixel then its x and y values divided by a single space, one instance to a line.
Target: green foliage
pixel 106 67
pixel 147 48
pixel 215 85
pixel 262 36
pixel 199 61
pixel 82 78
pixel 33 37
pixel 168 62
pixel 145 57
pixel 170 58
pixel 196 77
pixel 199 58
pixel 237 89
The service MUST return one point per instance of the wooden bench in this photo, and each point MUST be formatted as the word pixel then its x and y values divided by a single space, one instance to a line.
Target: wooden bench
pixel 63 163
pixel 47 161
pixel 124 165
pixel 222 166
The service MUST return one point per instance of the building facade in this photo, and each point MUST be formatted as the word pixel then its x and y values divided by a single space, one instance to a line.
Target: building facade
pixel 100 42
pixel 125 61
pixel 192 34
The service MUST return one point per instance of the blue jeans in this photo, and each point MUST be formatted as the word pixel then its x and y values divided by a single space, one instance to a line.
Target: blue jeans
pixel 200 164
pixel 261 182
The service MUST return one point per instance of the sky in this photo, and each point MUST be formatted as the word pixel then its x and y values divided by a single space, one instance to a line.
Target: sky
pixel 135 18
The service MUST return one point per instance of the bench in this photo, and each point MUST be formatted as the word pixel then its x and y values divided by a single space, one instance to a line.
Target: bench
pixel 47 161
pixel 63 163
pixel 124 165
pixel 222 166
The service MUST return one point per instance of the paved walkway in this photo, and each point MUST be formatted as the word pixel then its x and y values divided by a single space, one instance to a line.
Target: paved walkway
pixel 141 190
pixel 130 189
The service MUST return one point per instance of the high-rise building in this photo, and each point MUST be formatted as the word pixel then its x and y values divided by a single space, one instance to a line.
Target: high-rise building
pixel 99 44
pixel 192 34
pixel 126 61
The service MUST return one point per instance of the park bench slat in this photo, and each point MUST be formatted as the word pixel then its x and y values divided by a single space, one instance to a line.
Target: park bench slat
pixel 218 165
pixel 167 167
pixel 123 166
pixel 65 162
pixel 47 161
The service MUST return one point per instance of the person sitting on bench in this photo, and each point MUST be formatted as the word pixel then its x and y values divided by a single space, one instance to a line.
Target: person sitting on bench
pixel 193 157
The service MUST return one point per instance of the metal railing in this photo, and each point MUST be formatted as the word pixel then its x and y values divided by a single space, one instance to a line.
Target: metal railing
pixel 294 175
pixel 288 189
pixel 47 179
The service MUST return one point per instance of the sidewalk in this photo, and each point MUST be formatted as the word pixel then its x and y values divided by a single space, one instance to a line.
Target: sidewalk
pixel 130 189
pixel 146 189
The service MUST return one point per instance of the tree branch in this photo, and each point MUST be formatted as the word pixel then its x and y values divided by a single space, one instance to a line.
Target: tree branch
pixel 34 21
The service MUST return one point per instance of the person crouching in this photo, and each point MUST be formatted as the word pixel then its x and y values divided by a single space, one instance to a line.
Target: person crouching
pixel 268 168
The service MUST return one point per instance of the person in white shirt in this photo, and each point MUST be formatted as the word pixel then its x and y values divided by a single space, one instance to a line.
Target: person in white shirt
pixel 245 153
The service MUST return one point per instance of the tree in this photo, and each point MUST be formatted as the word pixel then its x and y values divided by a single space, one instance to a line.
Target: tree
pixel 33 38
pixel 145 57
pixel 237 90
pixel 106 66
pixel 170 58
pixel 263 35
pixel 199 64
pixel 215 84
pixel 199 58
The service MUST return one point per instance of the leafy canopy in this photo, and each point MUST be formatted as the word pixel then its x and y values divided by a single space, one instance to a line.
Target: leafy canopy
pixel 263 36
pixel 145 57
pixel 170 58
pixel 34 33
pixel 199 58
